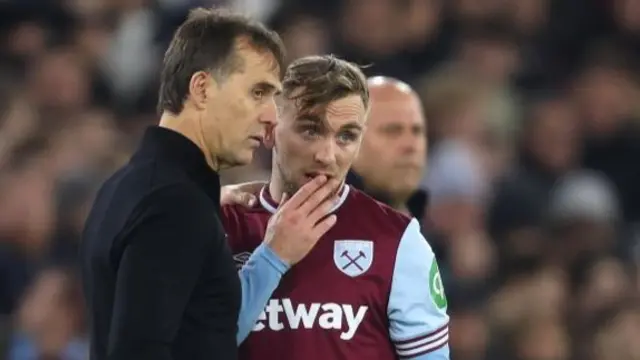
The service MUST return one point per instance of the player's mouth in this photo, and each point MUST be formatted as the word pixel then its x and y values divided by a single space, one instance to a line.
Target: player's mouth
pixel 312 175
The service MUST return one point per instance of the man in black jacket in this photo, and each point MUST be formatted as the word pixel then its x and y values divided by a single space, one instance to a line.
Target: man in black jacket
pixel 158 277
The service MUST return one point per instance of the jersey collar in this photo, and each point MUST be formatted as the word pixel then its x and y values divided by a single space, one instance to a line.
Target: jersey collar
pixel 271 206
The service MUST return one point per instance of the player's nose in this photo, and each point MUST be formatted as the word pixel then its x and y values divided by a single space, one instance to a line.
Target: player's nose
pixel 326 153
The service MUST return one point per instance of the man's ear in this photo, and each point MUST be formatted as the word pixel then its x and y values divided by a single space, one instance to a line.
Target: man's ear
pixel 200 89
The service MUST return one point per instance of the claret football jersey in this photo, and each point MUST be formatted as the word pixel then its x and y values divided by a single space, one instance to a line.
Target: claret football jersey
pixel 369 289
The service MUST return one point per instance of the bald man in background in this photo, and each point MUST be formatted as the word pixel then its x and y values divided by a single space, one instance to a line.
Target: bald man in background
pixel 393 154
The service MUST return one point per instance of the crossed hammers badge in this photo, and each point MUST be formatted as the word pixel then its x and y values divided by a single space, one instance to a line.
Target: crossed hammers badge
pixel 353 257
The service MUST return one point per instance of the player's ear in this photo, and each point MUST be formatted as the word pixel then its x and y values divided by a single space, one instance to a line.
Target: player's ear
pixel 200 89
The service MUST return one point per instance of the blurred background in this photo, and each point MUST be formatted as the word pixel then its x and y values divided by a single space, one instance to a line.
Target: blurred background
pixel 533 165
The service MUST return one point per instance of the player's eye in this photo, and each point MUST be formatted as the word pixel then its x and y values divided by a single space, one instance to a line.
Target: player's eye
pixel 347 137
pixel 310 132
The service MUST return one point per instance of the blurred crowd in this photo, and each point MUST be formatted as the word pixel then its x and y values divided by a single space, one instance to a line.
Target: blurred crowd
pixel 533 170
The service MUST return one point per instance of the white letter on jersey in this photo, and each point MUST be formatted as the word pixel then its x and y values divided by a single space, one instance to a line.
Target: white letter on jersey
pixel 332 317
pixel 259 323
pixel 273 309
pixel 329 316
pixel 352 321
pixel 308 317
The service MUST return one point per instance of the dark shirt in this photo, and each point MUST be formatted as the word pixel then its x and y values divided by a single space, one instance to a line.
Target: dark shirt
pixel 158 276
pixel 417 203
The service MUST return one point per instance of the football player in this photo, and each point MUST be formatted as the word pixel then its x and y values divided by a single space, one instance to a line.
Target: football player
pixel 370 288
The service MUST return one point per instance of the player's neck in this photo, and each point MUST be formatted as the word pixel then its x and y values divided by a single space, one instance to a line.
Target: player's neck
pixel 187 125
pixel 276 187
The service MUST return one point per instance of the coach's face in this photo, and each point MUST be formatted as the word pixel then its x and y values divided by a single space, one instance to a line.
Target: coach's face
pixel 324 140
pixel 241 107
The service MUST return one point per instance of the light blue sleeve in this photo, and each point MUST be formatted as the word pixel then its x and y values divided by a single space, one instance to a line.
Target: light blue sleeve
pixel 417 310
pixel 259 277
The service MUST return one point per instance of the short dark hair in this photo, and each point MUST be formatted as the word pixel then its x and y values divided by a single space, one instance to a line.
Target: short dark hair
pixel 317 80
pixel 206 42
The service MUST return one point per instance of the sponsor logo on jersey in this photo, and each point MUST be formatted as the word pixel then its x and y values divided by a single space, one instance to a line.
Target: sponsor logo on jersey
pixel 241 259
pixel 280 314
pixel 436 287
pixel 353 257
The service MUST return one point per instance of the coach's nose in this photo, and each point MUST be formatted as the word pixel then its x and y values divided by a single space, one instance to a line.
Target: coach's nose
pixel 268 115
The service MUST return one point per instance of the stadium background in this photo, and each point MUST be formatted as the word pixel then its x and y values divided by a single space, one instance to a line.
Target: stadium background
pixel 534 172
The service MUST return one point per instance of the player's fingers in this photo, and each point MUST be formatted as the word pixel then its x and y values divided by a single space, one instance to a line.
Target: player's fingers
pixel 319 197
pixel 322 210
pixel 306 191
pixel 323 226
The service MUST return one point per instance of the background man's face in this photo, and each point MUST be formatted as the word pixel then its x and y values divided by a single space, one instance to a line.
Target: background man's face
pixel 393 154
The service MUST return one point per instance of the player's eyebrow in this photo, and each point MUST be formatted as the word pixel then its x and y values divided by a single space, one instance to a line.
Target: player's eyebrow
pixel 318 120
pixel 352 126
pixel 310 117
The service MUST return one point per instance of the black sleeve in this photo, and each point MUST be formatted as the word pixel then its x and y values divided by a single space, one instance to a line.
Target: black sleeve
pixel 159 268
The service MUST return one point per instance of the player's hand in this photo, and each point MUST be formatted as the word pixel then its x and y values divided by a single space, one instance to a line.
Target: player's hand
pixel 241 194
pixel 302 220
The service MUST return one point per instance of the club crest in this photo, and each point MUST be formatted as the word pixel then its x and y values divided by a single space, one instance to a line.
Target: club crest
pixel 353 257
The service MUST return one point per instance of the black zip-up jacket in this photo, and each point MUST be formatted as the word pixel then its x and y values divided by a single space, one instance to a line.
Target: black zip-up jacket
pixel 159 280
